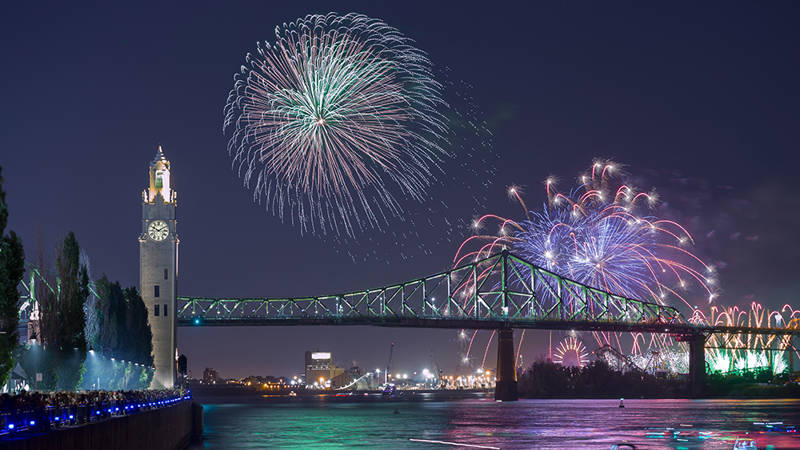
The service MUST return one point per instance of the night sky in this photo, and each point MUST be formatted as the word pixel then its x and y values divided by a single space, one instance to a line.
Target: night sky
pixel 699 101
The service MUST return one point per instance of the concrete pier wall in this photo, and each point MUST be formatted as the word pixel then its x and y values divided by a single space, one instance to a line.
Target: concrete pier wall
pixel 162 429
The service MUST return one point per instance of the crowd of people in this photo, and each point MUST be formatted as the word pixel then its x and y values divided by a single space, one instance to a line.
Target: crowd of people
pixel 40 411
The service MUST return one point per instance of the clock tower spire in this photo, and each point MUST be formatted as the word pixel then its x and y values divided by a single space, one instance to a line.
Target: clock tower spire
pixel 158 267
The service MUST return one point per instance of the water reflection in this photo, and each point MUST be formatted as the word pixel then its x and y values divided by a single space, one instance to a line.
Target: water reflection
pixel 482 423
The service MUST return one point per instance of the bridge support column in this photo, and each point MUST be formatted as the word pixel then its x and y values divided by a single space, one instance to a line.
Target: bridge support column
pixel 697 365
pixel 506 385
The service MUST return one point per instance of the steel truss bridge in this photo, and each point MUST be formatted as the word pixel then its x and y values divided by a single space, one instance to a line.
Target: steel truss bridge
pixel 500 291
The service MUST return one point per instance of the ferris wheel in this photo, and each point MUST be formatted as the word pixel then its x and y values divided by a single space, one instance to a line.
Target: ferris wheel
pixel 571 352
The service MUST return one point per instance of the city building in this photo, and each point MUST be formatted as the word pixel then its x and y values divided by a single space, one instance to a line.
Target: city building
pixel 322 373
pixel 158 268
pixel 210 376
pixel 344 378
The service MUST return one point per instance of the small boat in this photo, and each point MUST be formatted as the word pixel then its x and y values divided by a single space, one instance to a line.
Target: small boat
pixel 389 390
pixel 621 405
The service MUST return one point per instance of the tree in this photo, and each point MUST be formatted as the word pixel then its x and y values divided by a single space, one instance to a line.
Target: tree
pixel 138 324
pixel 124 334
pixel 182 365
pixel 111 307
pixel 45 361
pixel 12 268
pixel 72 293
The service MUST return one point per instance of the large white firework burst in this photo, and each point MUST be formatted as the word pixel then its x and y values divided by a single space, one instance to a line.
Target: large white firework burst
pixel 336 122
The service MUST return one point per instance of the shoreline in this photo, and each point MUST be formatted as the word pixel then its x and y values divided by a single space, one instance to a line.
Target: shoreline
pixel 226 394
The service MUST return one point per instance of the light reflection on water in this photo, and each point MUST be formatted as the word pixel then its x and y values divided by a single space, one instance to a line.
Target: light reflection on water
pixel 524 424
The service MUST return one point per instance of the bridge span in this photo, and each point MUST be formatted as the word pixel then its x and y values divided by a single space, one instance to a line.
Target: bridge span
pixel 501 292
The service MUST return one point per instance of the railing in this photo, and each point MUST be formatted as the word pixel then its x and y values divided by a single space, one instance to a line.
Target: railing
pixel 32 420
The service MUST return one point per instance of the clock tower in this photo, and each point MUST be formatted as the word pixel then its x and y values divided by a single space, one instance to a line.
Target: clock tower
pixel 158 268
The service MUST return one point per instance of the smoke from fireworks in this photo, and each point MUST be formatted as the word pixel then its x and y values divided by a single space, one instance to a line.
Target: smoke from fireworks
pixel 336 122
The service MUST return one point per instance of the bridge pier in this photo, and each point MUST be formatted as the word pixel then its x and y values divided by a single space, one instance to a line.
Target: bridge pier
pixel 506 385
pixel 697 365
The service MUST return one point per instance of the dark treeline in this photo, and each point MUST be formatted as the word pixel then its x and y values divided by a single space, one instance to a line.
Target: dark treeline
pixel 79 340
pixel 122 320
pixel 83 340
pixel 754 384
pixel 12 268
pixel 546 379
pixel 117 327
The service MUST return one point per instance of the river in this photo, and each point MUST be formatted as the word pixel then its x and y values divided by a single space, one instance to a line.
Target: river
pixel 427 422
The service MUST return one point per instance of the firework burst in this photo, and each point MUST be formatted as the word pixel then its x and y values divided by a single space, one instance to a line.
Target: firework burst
pixel 335 122
pixel 595 235
pixel 743 352
pixel 602 234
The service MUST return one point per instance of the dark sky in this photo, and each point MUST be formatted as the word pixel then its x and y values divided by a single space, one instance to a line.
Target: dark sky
pixel 698 100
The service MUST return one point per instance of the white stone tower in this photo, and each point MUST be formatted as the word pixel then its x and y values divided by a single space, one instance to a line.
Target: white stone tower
pixel 158 268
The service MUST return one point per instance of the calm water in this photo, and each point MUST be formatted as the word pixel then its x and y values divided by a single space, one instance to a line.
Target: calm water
pixel 485 423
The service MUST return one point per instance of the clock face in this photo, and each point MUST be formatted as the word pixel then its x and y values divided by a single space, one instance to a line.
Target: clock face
pixel 158 230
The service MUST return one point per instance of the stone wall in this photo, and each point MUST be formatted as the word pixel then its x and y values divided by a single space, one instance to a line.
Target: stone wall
pixel 167 428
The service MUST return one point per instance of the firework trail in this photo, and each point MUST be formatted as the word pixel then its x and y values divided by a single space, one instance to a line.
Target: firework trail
pixel 428 229
pixel 335 122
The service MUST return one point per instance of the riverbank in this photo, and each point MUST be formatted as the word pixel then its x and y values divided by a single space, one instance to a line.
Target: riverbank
pixel 237 394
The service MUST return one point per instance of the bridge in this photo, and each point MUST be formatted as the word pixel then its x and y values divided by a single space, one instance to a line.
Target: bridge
pixel 501 292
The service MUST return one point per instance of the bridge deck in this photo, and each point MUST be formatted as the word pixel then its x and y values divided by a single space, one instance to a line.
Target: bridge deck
pixel 487 324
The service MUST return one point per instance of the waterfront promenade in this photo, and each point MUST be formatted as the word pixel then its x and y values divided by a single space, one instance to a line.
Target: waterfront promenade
pixel 98 419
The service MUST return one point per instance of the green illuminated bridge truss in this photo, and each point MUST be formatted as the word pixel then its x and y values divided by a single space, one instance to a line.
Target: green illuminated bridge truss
pixel 34 280
pixel 501 291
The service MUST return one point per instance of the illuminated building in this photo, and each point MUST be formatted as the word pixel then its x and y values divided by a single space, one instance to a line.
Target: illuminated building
pixel 322 373
pixel 158 268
